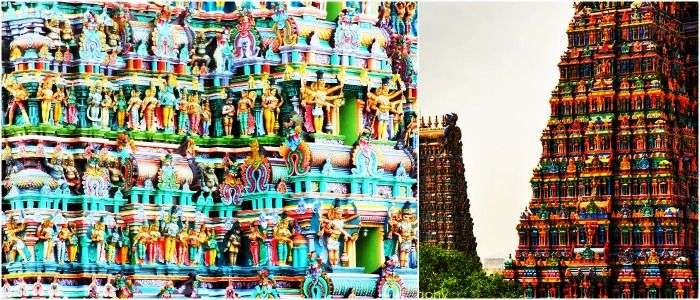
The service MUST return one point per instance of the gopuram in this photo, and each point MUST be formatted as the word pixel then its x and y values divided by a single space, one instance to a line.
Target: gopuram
pixel 614 208
pixel 209 149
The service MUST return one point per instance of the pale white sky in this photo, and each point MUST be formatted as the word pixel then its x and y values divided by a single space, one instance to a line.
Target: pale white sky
pixel 495 65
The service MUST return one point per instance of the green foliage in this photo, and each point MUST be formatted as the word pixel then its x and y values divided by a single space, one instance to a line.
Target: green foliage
pixel 452 274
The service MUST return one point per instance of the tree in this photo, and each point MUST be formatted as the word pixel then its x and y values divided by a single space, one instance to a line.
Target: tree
pixel 452 274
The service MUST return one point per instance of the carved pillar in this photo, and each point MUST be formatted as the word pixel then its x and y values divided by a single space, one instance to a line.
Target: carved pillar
pixel 290 93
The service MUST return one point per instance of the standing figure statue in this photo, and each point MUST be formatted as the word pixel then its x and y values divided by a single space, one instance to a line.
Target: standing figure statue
pixel 172 229
pixel 194 110
pixel 59 100
pixel 148 108
pixel 94 105
pixel 254 237
pixel 107 107
pixel 223 54
pixel 98 237
pixel 229 112
pixel 140 243
pixel 134 109
pixel 167 102
pixel 212 248
pixel 206 118
pixel 271 107
pixel 45 233
pixel 233 243
pixel 382 96
pixel 153 247
pixel 182 245
pixel 284 239
pixel 64 235
pixel 71 109
pixel 19 96
pixel 112 242
pixel 244 107
pixel 333 227
pixel 123 247
pixel 405 227
pixel 320 97
pixel 182 119
pixel 45 95
pixel 121 108
pixel 195 247
pixel 200 56
pixel 72 245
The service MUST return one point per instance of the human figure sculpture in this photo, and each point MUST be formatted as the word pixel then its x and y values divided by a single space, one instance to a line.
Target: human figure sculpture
pixel 59 100
pixel 64 235
pixel 98 238
pixel 405 227
pixel 167 291
pixel 212 248
pixel 183 119
pixel 19 97
pixel 111 248
pixel 333 228
pixel 172 229
pixel 271 107
pixel 134 109
pixel 315 98
pixel 167 102
pixel 182 247
pixel 148 108
pixel 206 118
pixel 229 112
pixel 254 237
pixel 284 239
pixel 382 99
pixel 223 54
pixel 121 108
pixel 244 108
pixel 233 244
pixel 152 245
pixel 107 106
pixel 95 106
pixel 194 111
pixel 200 49
pixel 140 243
pixel 195 247
pixel 45 233
pixel 45 95
pixel 71 109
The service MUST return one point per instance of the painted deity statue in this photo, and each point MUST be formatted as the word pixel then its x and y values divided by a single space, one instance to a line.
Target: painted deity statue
pixel 405 227
pixel 229 113
pixel 45 95
pixel 194 110
pixel 233 244
pixel 167 291
pixel 121 108
pixel 141 239
pixel 111 248
pixel 206 118
pixel 168 102
pixel 107 107
pixel 94 105
pixel 59 101
pixel 153 247
pixel 223 54
pixel 283 235
pixel 271 104
pixel 212 248
pixel 72 245
pixel 182 245
pixel 195 247
pixel 19 98
pixel 245 105
pixel 71 109
pixel 183 120
pixel 200 49
pixel 98 238
pixel 123 247
pixel 64 235
pixel 333 227
pixel 45 233
pixel 315 98
pixel 254 237
pixel 172 229
pixel 148 108
pixel 381 102
pixel 134 109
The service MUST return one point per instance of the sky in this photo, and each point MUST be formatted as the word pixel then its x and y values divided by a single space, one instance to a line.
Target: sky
pixel 495 65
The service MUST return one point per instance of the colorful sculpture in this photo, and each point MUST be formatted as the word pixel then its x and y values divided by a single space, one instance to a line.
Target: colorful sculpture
pixel 271 107
pixel 381 102
pixel 316 98
pixel 245 105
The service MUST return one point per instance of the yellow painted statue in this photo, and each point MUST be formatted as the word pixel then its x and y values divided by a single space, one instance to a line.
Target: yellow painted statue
pixel 382 98
pixel 45 95
pixel 315 98
pixel 271 104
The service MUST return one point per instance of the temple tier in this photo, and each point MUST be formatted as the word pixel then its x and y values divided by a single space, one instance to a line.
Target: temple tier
pixel 209 149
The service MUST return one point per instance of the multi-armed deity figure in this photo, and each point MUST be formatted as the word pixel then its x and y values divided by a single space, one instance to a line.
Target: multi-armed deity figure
pixel 333 227
pixel 19 97
pixel 381 102
pixel 245 105
pixel 405 228
pixel 168 102
pixel 315 98
pixel 271 104
pixel 45 95
pixel 283 235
